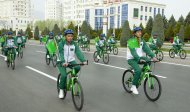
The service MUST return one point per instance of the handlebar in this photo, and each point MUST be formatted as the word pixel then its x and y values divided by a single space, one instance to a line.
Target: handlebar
pixel 148 62
pixel 73 65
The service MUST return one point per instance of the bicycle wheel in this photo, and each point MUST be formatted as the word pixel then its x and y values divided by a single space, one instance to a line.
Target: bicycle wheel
pixel 58 89
pixel 13 64
pixel 115 50
pixel 160 55
pixel 47 60
pixel 21 54
pixel 77 95
pixel 172 53
pixel 8 63
pixel 106 58
pixel 88 48
pixel 127 80
pixel 152 88
pixel 95 56
pixel 54 60
pixel 182 54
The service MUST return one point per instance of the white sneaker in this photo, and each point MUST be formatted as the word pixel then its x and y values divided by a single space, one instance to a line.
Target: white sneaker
pixel 108 52
pixel 5 58
pixel 47 56
pixel 61 94
pixel 98 57
pixel 134 90
pixel 16 53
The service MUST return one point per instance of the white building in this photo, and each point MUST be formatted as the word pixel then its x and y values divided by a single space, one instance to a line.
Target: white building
pixel 15 14
pixel 53 9
pixel 113 14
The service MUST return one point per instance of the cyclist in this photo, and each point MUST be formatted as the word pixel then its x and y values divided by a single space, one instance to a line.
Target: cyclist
pixel 111 40
pixel 67 50
pixel 19 40
pixel 84 40
pixel 59 37
pixel 3 38
pixel 136 47
pixel 49 39
pixel 176 44
pixel 10 42
pixel 79 38
pixel 153 42
pixel 100 44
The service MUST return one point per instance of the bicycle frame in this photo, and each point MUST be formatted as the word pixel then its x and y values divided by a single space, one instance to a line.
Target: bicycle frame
pixel 10 54
pixel 72 78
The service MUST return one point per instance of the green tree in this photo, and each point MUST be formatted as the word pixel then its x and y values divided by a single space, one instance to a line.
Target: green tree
pixel 158 28
pixel 85 29
pixel 45 31
pixel 187 19
pixel 181 20
pixel 146 37
pixel 187 32
pixel 28 32
pixel 182 33
pixel 36 33
pixel 149 26
pixel 172 21
pixel 125 34
pixel 143 29
pixel 56 29
pixel 176 29
pixel 72 27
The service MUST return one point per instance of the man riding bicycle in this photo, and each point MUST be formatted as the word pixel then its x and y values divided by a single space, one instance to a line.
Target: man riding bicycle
pixel 111 41
pixel 100 44
pixel 19 40
pixel 10 42
pixel 136 48
pixel 67 50
pixel 153 42
pixel 176 44
pixel 49 39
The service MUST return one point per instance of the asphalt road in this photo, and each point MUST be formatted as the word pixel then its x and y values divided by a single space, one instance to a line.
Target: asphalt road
pixel 31 87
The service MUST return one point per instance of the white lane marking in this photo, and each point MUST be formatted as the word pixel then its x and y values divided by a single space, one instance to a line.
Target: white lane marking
pixel 42 73
pixel 125 58
pixel 2 55
pixel 123 69
pixel 35 45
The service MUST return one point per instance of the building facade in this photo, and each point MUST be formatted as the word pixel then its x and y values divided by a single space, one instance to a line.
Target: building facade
pixel 113 13
pixel 53 9
pixel 15 14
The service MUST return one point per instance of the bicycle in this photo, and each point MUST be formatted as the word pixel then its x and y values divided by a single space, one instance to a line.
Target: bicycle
pixel 149 79
pixel 182 53
pixel 73 84
pixel 104 54
pixel 53 58
pixel 159 54
pixel 114 48
pixel 86 46
pixel 11 57
pixel 20 51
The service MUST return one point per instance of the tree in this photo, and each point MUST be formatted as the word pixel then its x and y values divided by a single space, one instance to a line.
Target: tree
pixel 45 31
pixel 72 27
pixel 125 34
pixel 36 33
pixel 110 32
pixel 56 29
pixel 187 19
pixel 149 26
pixel 176 29
pixel 28 32
pixel 146 37
pixel 143 29
pixel 85 29
pixel 169 33
pixel 172 21
pixel 182 33
pixel 181 20
pixel 158 28
pixel 187 32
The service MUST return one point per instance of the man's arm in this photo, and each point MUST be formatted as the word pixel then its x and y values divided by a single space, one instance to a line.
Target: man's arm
pixel 147 50
pixel 79 54
pixel 61 53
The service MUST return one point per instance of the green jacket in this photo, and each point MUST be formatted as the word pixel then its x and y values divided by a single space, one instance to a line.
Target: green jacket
pixel 67 52
pixel 14 41
pixel 136 49
pixel 19 38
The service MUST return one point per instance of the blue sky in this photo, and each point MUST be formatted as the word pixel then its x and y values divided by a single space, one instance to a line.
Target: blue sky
pixel 175 7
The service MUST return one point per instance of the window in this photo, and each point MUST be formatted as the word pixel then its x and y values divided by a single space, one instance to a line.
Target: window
pixel 136 13
pixel 124 13
pixel 145 18
pixel 118 9
pixel 99 12
pixel 112 10
pixel 111 21
pixel 145 9
pixel 158 10
pixel 118 21
pixel 98 23
pixel 141 8
pixel 162 12
pixel 154 12
pixel 150 9
pixel 141 17
pixel 87 15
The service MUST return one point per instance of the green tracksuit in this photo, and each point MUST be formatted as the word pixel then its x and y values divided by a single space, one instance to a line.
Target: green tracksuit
pixel 47 41
pixel 100 44
pixel 135 52
pixel 176 44
pixel 20 41
pixel 67 54
pixel 10 42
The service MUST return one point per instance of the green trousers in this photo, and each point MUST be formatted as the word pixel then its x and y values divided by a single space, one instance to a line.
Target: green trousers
pixel 6 52
pixel 176 48
pixel 99 49
pixel 63 72
pixel 153 47
pixel 137 69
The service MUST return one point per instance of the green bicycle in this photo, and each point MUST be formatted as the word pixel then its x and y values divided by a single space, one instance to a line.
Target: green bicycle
pixel 182 53
pixel 53 58
pixel 20 51
pixel 11 57
pixel 73 84
pixel 104 54
pixel 159 54
pixel 86 46
pixel 113 48
pixel 152 85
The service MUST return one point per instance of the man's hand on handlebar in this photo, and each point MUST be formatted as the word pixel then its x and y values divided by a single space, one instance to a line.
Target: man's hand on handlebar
pixel 155 59
pixel 65 64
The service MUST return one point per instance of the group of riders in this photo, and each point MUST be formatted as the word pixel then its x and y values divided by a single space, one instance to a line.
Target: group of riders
pixel 67 48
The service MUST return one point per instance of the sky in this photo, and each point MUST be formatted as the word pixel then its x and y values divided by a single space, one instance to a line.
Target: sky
pixel 175 7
